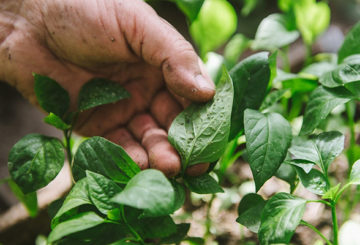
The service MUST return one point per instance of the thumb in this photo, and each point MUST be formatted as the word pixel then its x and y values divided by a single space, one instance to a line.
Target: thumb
pixel 159 44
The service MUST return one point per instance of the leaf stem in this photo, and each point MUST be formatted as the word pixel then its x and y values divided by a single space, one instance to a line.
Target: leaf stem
pixel 136 235
pixel 321 201
pixel 335 223
pixel 303 222
pixel 208 218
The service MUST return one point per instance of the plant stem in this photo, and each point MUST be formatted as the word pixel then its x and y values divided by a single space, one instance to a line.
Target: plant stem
pixel 308 54
pixel 136 235
pixel 321 201
pixel 285 57
pixel 67 135
pixel 208 218
pixel 302 222
pixel 335 222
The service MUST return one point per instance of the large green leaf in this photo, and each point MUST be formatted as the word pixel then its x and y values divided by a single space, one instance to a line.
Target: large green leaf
pixel 78 223
pixel 178 236
pixel 101 191
pixel 201 131
pixel 320 149
pixel 77 197
pixel 355 173
pixel 312 18
pixel 51 96
pixel 314 181
pixel 274 23
pixel 268 137
pixel 29 200
pixel 106 158
pixel 203 184
pixel 351 44
pixel 280 217
pixel 214 25
pixel 346 74
pixel 249 210
pixel 35 161
pixel 100 91
pixel 321 102
pixel 318 69
pixel 190 8
pixel 250 78
pixel 149 190
pixel 179 194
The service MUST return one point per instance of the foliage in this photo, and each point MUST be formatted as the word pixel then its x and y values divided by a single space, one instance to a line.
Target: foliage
pixel 255 115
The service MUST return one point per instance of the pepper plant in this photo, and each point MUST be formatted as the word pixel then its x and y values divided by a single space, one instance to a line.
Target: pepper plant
pixel 254 115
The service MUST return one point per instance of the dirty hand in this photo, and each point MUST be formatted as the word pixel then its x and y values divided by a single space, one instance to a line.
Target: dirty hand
pixel 122 40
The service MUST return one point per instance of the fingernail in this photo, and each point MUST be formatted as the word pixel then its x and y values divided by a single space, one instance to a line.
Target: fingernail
pixel 203 83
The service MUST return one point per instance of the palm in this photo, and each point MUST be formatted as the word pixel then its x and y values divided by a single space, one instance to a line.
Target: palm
pixel 73 43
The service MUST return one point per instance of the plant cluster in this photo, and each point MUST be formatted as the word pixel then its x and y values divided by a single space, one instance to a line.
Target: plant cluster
pixel 113 202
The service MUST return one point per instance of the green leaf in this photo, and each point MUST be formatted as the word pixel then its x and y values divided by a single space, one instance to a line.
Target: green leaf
pixel 296 83
pixel 249 6
pixel 351 44
pixel 149 190
pixel 201 131
pixel 268 137
pixel 78 196
pixel 285 5
pixel 56 121
pixel 250 78
pixel 203 184
pixel 320 149
pixel 346 74
pixel 312 18
pixel 29 200
pixel 314 181
pixel 78 223
pixel 287 173
pixel 332 192
pixel 100 91
pixel 321 102
pixel 274 23
pixel 106 158
pixel 51 96
pixel 249 210
pixel 272 98
pixel 101 191
pixel 34 161
pixel 303 164
pixel 318 69
pixel 214 25
pixel 178 236
pixel 149 227
pixel 234 49
pixel 280 217
pixel 190 8
pixel 179 194
pixel 355 173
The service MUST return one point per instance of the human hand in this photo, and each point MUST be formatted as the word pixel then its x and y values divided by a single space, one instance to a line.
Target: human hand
pixel 122 40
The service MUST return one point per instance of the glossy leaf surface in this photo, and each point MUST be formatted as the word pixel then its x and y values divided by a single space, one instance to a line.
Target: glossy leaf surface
pixel 35 161
pixel 106 158
pixel 268 137
pixel 201 131
pixel 150 191
pixel 100 91
pixel 280 217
